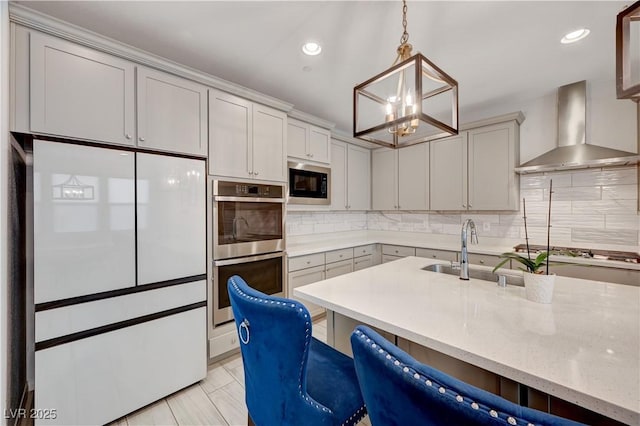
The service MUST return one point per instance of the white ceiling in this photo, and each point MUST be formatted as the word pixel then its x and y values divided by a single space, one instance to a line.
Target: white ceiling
pixel 497 51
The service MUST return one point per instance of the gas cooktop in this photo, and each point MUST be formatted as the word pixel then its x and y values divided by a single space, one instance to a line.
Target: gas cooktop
pixel 623 256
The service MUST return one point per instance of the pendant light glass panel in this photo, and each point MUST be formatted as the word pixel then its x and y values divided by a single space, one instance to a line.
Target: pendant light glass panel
pixel 411 102
pixel 628 53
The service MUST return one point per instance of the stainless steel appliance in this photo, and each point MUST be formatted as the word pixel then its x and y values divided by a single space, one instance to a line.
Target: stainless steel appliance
pixel 248 240
pixel 248 219
pixel 264 272
pixel 309 184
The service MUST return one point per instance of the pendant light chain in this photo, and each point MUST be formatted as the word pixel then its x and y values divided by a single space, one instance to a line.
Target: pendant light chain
pixel 405 34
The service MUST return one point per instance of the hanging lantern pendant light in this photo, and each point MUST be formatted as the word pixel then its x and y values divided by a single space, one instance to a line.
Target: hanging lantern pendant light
pixel 413 101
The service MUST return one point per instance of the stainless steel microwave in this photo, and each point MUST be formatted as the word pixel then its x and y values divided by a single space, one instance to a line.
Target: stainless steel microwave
pixel 309 184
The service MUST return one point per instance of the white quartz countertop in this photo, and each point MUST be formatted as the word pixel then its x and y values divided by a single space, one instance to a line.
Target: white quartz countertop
pixel 583 348
pixel 309 244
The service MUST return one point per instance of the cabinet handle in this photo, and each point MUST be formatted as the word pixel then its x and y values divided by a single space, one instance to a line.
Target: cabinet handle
pixel 399 207
pixel 308 262
pixel 308 155
pixel 396 251
pixel 470 205
pixel 340 255
pixel 311 155
pixel 141 139
pixel 255 173
pixel 433 255
pixel 128 136
pixel 464 205
pixel 482 262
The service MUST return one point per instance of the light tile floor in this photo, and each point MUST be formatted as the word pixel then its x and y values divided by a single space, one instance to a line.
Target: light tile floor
pixel 216 400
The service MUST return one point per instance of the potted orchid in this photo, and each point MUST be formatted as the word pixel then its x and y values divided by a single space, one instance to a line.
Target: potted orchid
pixel 538 282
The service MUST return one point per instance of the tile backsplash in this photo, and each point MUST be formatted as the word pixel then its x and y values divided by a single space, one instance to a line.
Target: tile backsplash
pixel 592 208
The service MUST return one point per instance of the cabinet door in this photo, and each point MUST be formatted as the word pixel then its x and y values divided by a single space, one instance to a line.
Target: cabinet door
pixel 338 176
pixel 79 92
pixel 492 179
pixel 319 144
pixel 297 136
pixel 83 220
pixel 338 268
pixel 172 113
pixel 362 262
pixel 304 277
pixel 269 143
pixel 358 178
pixel 413 177
pixel 230 135
pixel 448 173
pixel 450 256
pixel 384 179
pixel 171 218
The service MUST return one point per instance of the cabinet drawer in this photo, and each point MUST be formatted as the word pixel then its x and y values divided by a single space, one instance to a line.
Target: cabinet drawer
pixel 598 273
pixel 364 250
pixel 338 255
pixel 401 251
pixel 308 261
pixel 388 258
pixel 486 260
pixel 450 256
pixel 338 268
pixel 362 262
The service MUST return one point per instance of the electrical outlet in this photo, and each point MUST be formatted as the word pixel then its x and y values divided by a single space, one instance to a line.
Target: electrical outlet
pixel 486 226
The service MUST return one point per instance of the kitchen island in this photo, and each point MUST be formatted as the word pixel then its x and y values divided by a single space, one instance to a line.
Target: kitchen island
pixel 583 348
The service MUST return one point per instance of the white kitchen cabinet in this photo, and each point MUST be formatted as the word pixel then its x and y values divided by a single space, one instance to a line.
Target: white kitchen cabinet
pixel 400 178
pixel 450 256
pixel 363 262
pixel 308 142
pixel 83 220
pixel 171 112
pixel 79 92
pixel 171 213
pixel 475 169
pixel 338 268
pixel 350 177
pixel 246 140
pixel 304 277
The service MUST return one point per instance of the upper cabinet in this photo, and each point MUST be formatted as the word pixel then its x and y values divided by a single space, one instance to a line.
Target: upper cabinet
pixel 475 169
pixel 172 113
pixel 308 142
pixel 400 178
pixel 246 140
pixel 350 177
pixel 80 93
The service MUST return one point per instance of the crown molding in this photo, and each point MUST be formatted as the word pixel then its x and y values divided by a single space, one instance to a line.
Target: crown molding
pixel 32 19
pixel 518 116
pixel 311 119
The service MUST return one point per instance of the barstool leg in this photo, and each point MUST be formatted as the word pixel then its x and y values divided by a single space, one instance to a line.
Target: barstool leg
pixel 249 421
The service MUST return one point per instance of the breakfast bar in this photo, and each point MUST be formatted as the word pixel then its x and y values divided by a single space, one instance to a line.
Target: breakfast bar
pixel 583 348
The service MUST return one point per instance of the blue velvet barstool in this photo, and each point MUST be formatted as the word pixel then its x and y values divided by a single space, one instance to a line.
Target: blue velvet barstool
pixel 290 377
pixel 399 390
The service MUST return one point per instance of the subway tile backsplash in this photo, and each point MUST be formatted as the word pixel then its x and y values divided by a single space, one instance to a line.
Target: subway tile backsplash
pixel 589 208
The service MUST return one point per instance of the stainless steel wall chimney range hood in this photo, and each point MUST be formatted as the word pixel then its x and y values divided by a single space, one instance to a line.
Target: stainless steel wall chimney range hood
pixel 572 151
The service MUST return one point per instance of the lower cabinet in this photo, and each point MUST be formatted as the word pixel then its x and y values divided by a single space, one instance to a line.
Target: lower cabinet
pixel 392 252
pixel 338 268
pixel 304 277
pixel 450 256
pixel 598 273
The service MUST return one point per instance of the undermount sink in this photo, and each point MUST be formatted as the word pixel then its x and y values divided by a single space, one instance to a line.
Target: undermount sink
pixel 480 274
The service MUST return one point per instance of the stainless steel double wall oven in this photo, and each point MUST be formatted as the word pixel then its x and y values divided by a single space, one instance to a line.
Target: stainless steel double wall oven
pixel 248 240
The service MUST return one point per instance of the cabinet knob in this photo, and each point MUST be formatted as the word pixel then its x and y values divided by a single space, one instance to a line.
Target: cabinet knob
pixel 128 136
pixel 482 262
pixel 308 262
pixel 141 139
pixel 433 255
pixel 464 205
pixel 311 155
pixel 255 173
pixel 399 207
pixel 340 255
pixel 396 251
pixel 470 205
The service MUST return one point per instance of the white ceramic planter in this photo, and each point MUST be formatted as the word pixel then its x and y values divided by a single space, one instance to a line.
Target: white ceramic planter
pixel 539 287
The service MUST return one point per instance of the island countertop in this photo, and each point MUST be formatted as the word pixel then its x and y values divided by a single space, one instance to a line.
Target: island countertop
pixel 584 347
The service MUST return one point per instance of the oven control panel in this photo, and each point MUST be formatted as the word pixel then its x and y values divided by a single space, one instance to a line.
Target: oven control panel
pixel 245 189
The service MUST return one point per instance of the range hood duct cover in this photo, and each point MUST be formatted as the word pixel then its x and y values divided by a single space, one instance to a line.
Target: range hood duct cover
pixel 572 151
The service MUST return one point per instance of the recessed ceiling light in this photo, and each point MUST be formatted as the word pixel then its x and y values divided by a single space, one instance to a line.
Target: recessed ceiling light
pixel 574 36
pixel 311 48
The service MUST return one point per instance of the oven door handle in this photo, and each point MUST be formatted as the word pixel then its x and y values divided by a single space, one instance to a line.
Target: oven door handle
pixel 248 199
pixel 238 260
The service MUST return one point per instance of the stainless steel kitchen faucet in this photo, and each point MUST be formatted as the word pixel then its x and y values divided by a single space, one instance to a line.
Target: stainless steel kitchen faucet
pixel 464 258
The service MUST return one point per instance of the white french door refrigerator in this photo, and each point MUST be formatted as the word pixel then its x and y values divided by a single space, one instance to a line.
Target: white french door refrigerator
pixel 119 262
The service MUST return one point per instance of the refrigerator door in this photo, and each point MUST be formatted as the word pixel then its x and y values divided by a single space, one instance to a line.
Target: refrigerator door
pixel 84 216
pixel 171 217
